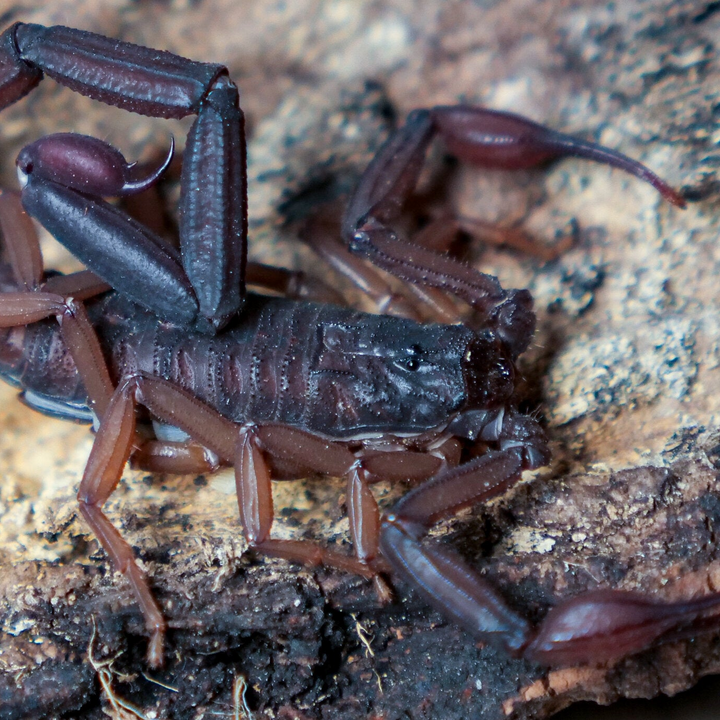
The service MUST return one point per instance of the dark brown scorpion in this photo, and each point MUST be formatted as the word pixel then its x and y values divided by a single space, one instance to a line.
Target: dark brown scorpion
pixel 282 387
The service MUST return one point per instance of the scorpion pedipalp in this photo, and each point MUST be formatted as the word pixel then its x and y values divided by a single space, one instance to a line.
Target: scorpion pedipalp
pixel 213 224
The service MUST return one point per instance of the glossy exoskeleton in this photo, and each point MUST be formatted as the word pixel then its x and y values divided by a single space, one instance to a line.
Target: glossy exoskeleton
pixel 279 387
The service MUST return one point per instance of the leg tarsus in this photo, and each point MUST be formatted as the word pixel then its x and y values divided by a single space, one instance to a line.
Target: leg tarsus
pixel 308 553
pixel 124 562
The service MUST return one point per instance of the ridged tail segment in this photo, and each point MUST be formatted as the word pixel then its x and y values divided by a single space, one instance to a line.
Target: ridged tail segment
pixel 17 78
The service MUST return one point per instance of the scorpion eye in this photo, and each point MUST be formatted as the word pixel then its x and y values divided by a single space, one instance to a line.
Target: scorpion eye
pixel 409 363
pixel 413 362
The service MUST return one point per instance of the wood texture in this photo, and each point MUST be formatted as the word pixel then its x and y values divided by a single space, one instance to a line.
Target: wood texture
pixel 625 370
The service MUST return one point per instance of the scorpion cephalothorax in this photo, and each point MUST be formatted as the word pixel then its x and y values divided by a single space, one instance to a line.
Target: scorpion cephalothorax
pixel 278 387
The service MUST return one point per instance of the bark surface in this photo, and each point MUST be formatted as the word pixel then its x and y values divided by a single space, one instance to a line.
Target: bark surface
pixel 625 370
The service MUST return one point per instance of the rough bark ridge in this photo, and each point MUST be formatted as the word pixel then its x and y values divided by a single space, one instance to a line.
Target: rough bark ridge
pixel 625 369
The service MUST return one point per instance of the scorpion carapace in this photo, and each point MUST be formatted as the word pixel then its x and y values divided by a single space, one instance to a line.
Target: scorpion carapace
pixel 279 388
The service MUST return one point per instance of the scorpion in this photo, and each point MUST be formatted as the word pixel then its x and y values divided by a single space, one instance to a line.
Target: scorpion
pixel 281 387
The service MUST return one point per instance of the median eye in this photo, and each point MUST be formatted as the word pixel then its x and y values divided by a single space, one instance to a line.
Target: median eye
pixel 412 363
pixel 409 363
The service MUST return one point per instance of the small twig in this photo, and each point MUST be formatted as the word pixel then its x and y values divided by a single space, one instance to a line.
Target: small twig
pixel 122 708
pixel 239 703
pixel 365 637
pixel 161 684
pixel 379 681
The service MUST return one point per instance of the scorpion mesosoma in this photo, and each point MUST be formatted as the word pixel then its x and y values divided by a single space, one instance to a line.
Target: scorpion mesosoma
pixel 278 387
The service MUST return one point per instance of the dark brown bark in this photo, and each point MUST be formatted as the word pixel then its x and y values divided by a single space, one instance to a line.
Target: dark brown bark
pixel 625 369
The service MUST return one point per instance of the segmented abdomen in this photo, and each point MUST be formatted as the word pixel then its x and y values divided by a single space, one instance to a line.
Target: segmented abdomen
pixel 324 368
pixel 255 370
pixel 329 369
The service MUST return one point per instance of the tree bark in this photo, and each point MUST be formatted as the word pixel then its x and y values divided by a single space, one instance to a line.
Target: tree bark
pixel 624 371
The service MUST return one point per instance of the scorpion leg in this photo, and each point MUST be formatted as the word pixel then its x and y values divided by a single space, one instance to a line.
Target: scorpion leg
pixel 363 511
pixel 81 285
pixel 115 441
pixel 441 577
pixel 307 453
pixel 21 308
pixel 35 303
pixel 293 284
pixel 245 447
pixel 364 517
pixel 440 232
pixel 213 207
pixel 111 449
pixel 20 242
pixel 174 458
pixel 115 437
pixel 320 234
